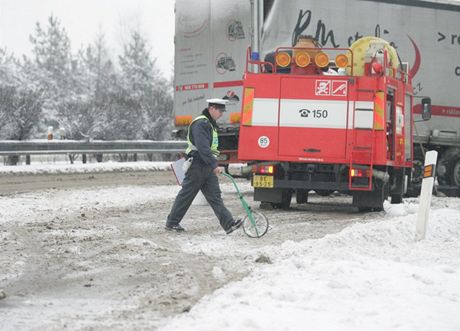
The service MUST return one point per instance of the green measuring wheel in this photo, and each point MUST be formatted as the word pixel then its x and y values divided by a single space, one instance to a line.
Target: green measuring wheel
pixel 255 224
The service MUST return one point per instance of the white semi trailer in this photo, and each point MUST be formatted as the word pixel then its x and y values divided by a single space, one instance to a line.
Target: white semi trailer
pixel 212 38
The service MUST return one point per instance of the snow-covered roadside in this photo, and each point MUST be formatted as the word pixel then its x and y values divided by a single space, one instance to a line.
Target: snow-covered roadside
pixel 85 168
pixel 371 276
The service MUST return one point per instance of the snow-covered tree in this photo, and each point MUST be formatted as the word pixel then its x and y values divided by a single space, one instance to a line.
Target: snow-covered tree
pixel 53 64
pixel 143 90
pixel 21 100
pixel 158 114
pixel 24 107
pixel 85 115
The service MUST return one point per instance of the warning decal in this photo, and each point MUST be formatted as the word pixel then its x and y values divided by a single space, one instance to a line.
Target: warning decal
pixel 323 87
pixel 337 88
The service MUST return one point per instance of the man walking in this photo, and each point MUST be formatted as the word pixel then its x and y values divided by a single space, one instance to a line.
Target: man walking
pixel 202 174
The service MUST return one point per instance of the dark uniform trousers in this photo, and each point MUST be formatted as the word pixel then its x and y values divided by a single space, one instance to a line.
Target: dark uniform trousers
pixel 200 177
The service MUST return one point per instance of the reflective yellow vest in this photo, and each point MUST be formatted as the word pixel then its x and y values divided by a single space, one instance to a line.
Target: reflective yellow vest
pixel 215 138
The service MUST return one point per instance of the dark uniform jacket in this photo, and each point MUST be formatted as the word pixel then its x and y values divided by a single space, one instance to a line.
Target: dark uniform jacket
pixel 201 137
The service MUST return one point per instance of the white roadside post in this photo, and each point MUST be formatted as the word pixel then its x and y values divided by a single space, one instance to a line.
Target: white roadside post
pixel 425 194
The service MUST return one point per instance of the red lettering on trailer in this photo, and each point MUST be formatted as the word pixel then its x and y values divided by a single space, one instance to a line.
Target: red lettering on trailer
pixel 440 110
pixel 190 87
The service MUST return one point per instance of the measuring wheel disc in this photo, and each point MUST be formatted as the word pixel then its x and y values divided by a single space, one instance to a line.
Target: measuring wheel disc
pixel 258 227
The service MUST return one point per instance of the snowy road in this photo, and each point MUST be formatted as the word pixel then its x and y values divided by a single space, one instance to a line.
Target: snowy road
pixel 98 258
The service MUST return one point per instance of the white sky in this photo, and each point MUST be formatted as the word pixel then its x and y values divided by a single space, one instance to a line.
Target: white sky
pixel 84 19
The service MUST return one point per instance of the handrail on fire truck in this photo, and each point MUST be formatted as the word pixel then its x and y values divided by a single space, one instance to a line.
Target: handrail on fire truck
pixel 261 64
pixel 285 58
pixel 302 57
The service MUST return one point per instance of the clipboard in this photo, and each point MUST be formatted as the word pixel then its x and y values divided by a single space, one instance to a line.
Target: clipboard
pixel 177 168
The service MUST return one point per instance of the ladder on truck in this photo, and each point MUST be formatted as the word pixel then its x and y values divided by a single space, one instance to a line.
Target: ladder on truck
pixel 362 149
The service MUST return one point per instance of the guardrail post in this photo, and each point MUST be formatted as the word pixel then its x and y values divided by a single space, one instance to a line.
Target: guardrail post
pixel 28 159
pixel 83 158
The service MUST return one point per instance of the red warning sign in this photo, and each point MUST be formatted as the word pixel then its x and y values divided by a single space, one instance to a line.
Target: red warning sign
pixel 323 87
pixel 339 88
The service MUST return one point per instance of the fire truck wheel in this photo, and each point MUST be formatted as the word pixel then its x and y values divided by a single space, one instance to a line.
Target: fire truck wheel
pixel 301 196
pixel 285 200
pixel 397 186
pixel 324 193
pixel 265 205
pixel 396 198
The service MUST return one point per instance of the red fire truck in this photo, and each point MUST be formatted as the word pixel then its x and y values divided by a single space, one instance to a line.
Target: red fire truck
pixel 328 119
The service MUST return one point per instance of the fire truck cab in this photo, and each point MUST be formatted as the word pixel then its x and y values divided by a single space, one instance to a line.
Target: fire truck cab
pixel 328 119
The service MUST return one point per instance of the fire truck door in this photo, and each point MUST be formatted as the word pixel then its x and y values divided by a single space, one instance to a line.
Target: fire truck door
pixel 313 116
pixel 391 124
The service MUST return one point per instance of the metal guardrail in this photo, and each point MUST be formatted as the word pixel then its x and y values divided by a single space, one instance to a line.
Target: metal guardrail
pixel 13 147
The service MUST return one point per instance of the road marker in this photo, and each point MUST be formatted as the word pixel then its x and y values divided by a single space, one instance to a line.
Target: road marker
pixel 429 171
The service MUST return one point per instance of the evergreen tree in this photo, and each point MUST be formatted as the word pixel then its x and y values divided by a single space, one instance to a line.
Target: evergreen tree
pixel 21 100
pixel 143 98
pixel 85 115
pixel 53 62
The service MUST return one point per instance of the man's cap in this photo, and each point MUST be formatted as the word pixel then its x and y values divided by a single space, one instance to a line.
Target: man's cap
pixel 219 103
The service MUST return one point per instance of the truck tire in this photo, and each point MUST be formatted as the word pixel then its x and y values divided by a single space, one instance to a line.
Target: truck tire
pixel 265 205
pixel 456 173
pixel 451 161
pixel 285 200
pixel 301 196
pixel 396 199
pixel 397 187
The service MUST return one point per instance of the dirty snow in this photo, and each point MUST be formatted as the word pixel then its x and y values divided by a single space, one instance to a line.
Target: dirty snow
pixel 370 275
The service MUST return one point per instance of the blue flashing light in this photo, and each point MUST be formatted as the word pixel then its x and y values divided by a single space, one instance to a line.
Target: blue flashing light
pixel 255 56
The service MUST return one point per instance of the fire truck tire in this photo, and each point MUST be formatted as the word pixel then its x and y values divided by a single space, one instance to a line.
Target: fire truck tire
pixel 265 205
pixel 324 193
pixel 285 200
pixel 301 196
pixel 397 185
pixel 396 198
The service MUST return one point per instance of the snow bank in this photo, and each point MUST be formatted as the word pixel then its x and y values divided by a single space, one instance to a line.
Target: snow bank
pixel 85 168
pixel 370 276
